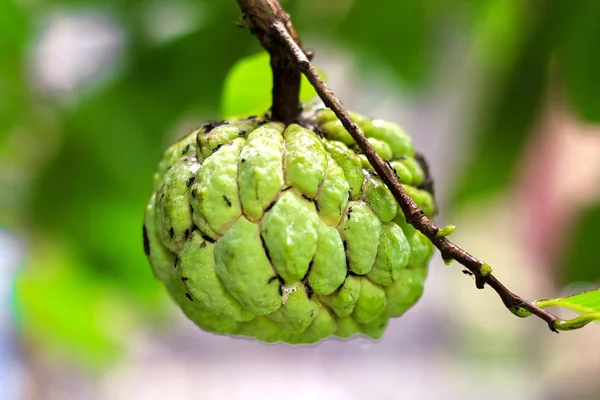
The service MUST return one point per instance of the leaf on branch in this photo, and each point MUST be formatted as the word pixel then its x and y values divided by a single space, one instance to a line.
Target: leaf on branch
pixel 247 87
pixel 586 304
pixel 582 303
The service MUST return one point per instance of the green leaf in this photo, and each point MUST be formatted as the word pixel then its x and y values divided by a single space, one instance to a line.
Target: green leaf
pixel 582 303
pixel 582 259
pixel 247 88
pixel 580 59
pixel 586 304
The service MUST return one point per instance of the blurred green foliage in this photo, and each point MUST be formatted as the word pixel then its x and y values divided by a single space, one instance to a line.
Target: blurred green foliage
pixel 582 260
pixel 579 62
pixel 76 170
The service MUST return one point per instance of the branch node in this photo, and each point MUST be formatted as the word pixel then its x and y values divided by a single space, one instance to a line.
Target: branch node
pixel 479 282
pixel 445 231
pixel 485 270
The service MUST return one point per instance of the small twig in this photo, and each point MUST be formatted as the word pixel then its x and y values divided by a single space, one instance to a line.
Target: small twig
pixel 281 31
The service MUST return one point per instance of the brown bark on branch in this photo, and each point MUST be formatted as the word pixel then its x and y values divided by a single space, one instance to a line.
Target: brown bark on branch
pixel 262 15
pixel 273 28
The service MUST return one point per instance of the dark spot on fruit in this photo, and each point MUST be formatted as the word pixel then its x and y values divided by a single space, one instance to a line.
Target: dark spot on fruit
pixel 189 182
pixel 312 312
pixel 186 234
pixel 184 278
pixel 305 277
pixel 243 132
pixel 264 246
pixel 146 242
pixel 208 239
pixel 162 195
pixel 202 245
pixel 189 296
pixel 270 206
pixel 209 126
pixel 347 259
pixel 261 123
pixel 271 279
pixel 309 294
pixel 171 232
pixel 243 160
pixel 217 148
pixel 185 150
pixel 349 213
pixel 176 262
pixel 227 200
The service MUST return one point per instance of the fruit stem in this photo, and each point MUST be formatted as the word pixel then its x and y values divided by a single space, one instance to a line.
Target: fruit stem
pixel 262 16
pixel 276 33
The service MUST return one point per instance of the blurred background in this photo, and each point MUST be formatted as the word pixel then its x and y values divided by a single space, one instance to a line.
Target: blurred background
pixel 503 98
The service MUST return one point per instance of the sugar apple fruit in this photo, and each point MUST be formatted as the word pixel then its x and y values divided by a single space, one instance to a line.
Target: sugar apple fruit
pixel 285 233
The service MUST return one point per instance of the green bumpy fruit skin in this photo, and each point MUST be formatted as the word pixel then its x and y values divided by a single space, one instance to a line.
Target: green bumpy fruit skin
pixel 286 233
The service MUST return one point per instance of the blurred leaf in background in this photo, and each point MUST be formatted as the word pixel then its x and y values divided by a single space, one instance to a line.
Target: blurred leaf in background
pixel 66 312
pixel 540 34
pixel 247 87
pixel 582 260
pixel 407 29
pixel 513 100
pixel 579 62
